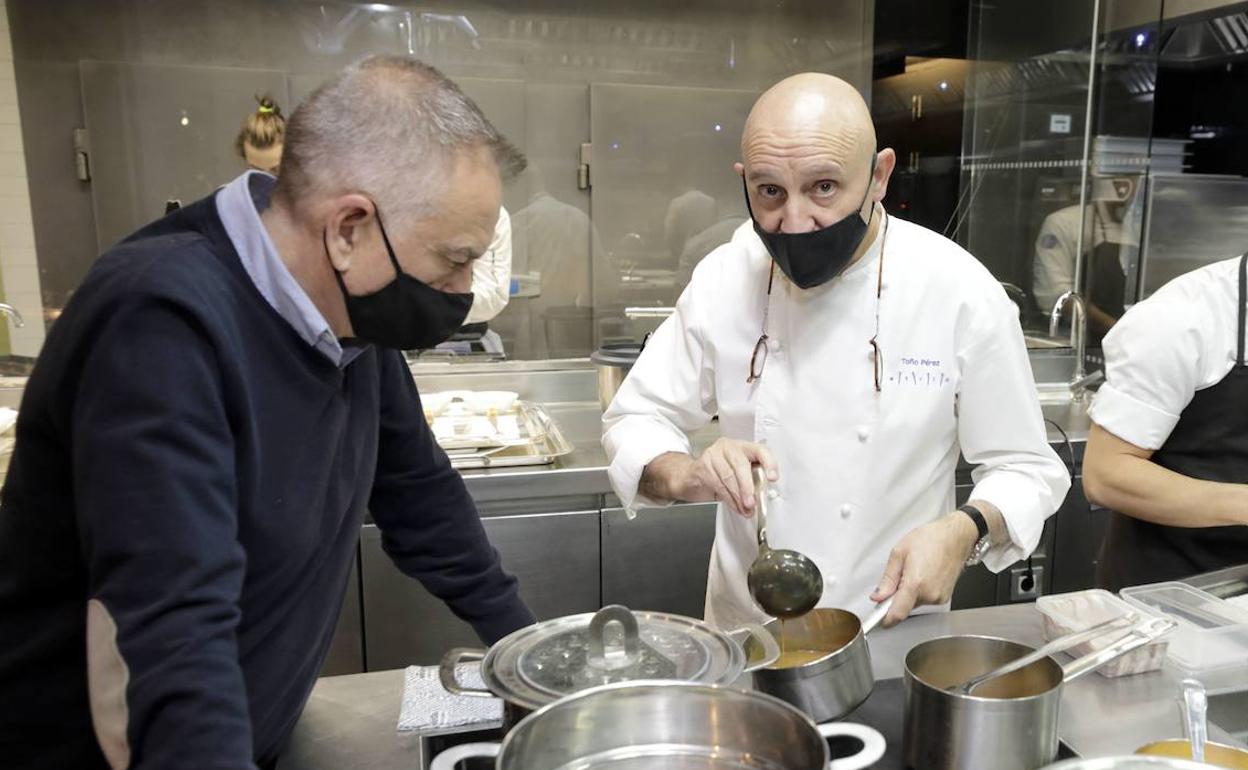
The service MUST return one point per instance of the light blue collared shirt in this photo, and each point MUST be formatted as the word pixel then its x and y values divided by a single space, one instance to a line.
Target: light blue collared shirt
pixel 239 204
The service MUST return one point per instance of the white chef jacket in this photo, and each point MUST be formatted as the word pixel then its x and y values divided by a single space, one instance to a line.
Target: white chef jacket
pixel 1053 271
pixel 858 469
pixel 1180 340
pixel 491 274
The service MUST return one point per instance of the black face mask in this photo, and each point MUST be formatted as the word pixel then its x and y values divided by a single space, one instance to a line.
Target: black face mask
pixel 405 314
pixel 814 258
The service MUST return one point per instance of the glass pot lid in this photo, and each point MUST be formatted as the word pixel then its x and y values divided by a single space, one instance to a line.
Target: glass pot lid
pixel 544 662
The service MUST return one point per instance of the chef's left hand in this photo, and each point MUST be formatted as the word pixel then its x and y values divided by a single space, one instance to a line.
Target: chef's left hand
pixel 924 567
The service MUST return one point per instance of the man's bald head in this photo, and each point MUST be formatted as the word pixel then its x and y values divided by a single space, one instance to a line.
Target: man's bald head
pixel 807 151
pixel 812 109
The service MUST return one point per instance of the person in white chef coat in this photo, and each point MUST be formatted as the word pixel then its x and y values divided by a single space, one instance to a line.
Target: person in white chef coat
pixel 852 355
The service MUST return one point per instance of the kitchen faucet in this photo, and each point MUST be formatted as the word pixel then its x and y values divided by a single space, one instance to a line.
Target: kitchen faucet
pixel 1080 380
pixel 12 313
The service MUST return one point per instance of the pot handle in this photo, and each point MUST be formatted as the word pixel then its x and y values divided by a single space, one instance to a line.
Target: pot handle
pixel 613 613
pixel 450 759
pixel 876 615
pixel 872 744
pixel 446 672
pixel 771 650
pixel 1134 639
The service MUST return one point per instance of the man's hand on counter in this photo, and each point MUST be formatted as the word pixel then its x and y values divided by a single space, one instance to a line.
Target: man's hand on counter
pixel 722 473
pixel 924 566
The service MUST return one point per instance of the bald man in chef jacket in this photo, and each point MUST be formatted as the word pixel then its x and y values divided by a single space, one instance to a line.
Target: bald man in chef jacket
pixel 853 356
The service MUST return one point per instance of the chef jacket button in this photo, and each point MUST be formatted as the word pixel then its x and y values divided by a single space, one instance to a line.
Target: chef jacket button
pixel 773 493
pixel 847 510
pixel 864 433
pixel 829 581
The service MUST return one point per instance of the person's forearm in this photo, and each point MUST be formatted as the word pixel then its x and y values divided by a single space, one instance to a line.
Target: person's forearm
pixel 661 479
pixel 1144 490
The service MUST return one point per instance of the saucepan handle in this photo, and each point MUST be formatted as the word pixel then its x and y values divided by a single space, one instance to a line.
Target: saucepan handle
pixel 872 744
pixel 449 759
pixel 1138 637
pixel 877 615
pixel 771 650
pixel 446 672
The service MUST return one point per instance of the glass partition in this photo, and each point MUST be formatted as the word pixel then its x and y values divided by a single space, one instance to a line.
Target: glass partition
pixel 1056 146
pixel 629 114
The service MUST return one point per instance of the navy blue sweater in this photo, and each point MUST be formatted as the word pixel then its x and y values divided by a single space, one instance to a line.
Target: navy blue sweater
pixel 184 458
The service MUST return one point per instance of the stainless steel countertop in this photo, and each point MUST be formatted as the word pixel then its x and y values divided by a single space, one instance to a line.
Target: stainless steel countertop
pixel 350 721
pixel 584 471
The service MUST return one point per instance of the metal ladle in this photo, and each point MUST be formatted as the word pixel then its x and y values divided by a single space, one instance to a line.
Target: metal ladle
pixel 1195 708
pixel 785 583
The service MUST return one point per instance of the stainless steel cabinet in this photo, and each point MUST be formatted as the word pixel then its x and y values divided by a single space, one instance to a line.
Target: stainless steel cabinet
pixel 1077 547
pixel 554 555
pixel 658 561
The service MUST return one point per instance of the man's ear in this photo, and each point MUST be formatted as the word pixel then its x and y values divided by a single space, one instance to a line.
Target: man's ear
pixel 348 228
pixel 885 162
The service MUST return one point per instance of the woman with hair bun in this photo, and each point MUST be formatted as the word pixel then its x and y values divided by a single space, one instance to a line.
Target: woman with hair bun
pixel 259 140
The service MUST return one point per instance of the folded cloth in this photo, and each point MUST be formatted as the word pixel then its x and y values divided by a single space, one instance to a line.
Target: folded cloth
pixel 428 709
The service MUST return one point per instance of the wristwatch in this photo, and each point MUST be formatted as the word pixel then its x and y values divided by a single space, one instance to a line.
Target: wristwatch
pixel 981 526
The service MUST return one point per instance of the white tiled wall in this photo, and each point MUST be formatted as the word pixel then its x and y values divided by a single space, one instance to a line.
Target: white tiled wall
pixel 18 267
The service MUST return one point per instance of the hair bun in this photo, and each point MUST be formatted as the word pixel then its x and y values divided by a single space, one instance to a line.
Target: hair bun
pixel 267 105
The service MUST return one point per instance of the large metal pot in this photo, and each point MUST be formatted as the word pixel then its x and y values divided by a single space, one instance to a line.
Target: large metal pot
pixel 834 684
pixel 1010 723
pixel 539 664
pixel 669 725
pixel 614 360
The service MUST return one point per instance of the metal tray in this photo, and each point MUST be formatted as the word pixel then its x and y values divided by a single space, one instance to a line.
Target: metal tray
pixel 545 444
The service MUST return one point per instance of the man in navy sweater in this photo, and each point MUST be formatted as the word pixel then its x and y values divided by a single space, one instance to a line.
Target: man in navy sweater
pixel 209 420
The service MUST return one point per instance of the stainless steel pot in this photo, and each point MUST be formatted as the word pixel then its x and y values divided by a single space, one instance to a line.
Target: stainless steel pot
pixel 830 686
pixel 538 665
pixel 614 360
pixel 669 725
pixel 1010 723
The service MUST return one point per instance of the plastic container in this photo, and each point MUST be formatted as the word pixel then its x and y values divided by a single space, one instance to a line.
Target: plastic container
pixel 1212 633
pixel 1068 613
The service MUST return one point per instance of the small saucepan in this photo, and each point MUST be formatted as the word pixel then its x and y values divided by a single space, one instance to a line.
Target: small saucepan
pixel 824 667
pixel 1010 722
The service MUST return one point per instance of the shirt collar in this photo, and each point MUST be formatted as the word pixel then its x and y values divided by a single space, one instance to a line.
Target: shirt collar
pixel 239 205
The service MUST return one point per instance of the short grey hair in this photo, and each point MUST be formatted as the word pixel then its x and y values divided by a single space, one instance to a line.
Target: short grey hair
pixel 387 126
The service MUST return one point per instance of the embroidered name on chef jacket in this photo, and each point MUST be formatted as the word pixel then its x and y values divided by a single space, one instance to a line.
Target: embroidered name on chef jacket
pixel 919 372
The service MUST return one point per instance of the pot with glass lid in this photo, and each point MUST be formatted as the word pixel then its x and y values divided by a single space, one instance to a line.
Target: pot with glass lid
pixel 542 663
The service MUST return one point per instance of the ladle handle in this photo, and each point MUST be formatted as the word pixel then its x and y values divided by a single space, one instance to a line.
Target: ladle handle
pixel 1133 640
pixel 1060 644
pixel 760 507
pixel 1195 708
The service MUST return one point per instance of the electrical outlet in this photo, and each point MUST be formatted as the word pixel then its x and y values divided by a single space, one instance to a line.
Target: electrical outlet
pixel 1026 584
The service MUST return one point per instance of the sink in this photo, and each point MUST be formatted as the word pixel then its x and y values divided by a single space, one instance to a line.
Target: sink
pixel 1045 342
pixel 1229 711
pixel 1053 393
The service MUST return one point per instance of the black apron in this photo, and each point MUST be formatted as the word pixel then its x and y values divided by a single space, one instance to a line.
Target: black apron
pixel 1107 284
pixel 1209 442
